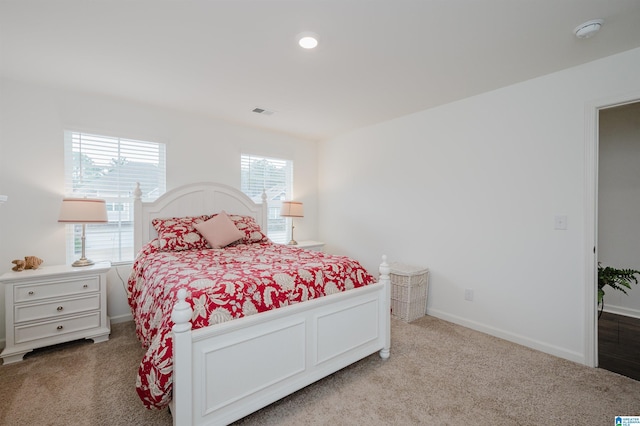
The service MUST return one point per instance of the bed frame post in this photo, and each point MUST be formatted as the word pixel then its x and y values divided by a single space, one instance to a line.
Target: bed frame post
pixel 386 307
pixel 182 361
pixel 137 218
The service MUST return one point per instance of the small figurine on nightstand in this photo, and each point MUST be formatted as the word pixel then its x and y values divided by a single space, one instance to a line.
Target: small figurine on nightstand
pixel 29 262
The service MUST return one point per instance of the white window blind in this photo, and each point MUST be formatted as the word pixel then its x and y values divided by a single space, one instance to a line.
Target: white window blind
pixel 108 168
pixel 275 177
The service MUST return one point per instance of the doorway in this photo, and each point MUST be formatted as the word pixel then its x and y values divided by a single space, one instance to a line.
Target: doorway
pixel 592 110
pixel 618 235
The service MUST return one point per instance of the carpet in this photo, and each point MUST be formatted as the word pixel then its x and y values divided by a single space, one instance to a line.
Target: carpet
pixel 438 373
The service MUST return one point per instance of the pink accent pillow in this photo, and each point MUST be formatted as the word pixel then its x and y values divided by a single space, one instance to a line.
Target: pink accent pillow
pixel 219 231
pixel 250 228
pixel 179 233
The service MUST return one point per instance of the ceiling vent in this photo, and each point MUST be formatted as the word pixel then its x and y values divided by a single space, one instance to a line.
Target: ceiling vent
pixel 263 111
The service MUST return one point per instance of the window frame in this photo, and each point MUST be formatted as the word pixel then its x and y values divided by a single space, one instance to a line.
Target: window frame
pixel 106 157
pixel 277 226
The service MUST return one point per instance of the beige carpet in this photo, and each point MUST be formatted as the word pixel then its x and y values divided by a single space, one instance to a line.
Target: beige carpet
pixel 438 373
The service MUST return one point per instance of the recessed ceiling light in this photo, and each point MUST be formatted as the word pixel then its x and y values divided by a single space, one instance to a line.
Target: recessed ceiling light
pixel 588 29
pixel 308 40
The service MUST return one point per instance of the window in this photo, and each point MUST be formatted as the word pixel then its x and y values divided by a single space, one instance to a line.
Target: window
pixel 108 168
pixel 275 177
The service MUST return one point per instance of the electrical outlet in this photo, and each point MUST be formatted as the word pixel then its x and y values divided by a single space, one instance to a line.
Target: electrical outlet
pixel 468 294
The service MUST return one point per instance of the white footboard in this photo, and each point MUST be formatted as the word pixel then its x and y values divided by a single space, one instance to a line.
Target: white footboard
pixel 224 372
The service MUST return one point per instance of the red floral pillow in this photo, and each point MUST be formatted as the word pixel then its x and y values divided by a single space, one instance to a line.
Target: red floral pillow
pixel 179 233
pixel 250 228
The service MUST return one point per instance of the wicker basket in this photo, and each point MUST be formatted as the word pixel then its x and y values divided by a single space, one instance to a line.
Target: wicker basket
pixel 409 288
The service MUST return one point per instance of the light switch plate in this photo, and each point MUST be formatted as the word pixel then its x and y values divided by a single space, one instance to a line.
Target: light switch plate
pixel 560 223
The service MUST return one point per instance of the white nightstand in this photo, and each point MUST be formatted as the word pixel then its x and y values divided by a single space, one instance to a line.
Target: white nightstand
pixel 54 304
pixel 310 245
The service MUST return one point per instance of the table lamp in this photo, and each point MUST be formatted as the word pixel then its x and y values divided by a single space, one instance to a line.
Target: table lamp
pixel 292 209
pixel 83 211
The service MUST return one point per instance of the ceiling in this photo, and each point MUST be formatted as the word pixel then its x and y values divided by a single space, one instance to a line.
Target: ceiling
pixel 377 59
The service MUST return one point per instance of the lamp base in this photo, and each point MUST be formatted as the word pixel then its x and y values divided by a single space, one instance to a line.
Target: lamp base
pixel 83 261
pixel 292 243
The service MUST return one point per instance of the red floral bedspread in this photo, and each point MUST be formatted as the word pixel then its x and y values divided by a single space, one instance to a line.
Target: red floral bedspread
pixel 223 284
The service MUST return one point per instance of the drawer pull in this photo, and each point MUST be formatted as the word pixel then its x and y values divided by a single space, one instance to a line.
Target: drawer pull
pixel 59 327
pixel 85 286
pixel 59 308
pixel 31 293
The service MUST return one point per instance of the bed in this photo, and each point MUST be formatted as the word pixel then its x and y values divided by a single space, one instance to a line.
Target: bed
pixel 210 370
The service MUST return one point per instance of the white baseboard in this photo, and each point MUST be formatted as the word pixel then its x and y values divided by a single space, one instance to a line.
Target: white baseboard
pixel 121 318
pixel 511 337
pixel 619 310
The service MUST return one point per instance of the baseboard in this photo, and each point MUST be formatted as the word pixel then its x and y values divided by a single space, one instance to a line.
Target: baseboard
pixel 618 310
pixel 511 337
pixel 121 318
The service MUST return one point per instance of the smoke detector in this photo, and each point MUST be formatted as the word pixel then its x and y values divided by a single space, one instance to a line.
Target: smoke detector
pixel 588 29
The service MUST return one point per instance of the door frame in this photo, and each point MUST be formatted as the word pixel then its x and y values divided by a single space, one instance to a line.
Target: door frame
pixel 592 110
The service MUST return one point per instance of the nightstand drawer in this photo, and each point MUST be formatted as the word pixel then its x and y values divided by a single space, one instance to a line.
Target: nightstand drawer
pixel 55 309
pixel 47 289
pixel 54 328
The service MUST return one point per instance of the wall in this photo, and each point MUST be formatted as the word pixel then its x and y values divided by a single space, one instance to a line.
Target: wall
pixel 32 121
pixel 471 190
pixel 619 200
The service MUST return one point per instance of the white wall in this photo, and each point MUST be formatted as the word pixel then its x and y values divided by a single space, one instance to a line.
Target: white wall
pixel 32 121
pixel 470 190
pixel 619 200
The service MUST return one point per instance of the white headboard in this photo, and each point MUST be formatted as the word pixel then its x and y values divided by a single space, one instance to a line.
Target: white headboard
pixel 193 200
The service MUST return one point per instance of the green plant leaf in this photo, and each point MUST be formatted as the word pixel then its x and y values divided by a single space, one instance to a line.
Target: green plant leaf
pixel 617 279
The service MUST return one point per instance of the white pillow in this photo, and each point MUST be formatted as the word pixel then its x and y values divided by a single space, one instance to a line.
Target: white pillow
pixel 219 231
